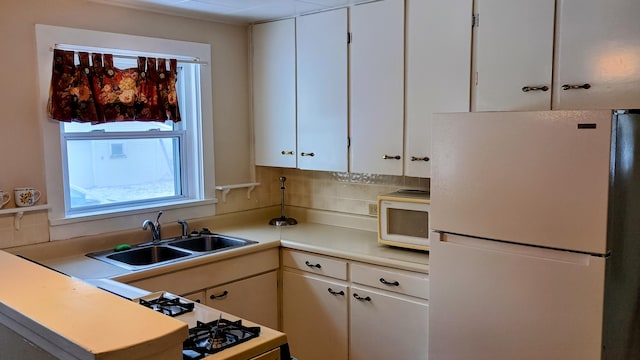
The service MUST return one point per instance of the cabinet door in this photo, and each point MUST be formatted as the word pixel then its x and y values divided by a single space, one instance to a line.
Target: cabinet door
pixel 274 93
pixel 322 91
pixel 314 315
pixel 387 326
pixel 438 72
pixel 513 49
pixel 377 87
pixel 598 43
pixel 255 299
pixel 198 296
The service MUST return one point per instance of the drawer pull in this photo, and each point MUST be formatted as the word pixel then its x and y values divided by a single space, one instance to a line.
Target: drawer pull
pixel 575 87
pixel 287 152
pixel 535 88
pixel 335 293
pixel 317 266
pixel 358 297
pixel 391 157
pixel 390 283
pixel 415 158
pixel 308 154
pixel 223 295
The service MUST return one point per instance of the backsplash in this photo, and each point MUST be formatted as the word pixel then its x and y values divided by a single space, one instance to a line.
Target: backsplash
pixel 341 192
pixel 330 191
pixel 33 229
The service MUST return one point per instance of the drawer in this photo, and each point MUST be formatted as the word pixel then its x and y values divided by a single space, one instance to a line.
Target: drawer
pixel 399 281
pixel 317 264
pixel 188 280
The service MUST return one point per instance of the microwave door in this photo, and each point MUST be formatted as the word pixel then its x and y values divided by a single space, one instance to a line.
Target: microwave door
pixel 408 223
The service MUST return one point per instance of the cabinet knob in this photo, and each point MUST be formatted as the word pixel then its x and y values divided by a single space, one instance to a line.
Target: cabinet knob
pixel 575 87
pixel 307 154
pixel 335 293
pixel 220 296
pixel 535 88
pixel 358 297
pixel 391 157
pixel 287 152
pixel 390 283
pixel 415 158
pixel 317 266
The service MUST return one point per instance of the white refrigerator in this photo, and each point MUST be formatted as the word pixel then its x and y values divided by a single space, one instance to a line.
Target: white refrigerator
pixel 536 246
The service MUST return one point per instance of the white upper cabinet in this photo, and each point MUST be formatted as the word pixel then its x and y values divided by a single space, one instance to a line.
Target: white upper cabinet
pixel 438 51
pixel 513 55
pixel 274 93
pixel 377 87
pixel 322 91
pixel 598 43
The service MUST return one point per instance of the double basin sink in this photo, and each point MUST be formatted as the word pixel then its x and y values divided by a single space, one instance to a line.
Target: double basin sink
pixel 167 251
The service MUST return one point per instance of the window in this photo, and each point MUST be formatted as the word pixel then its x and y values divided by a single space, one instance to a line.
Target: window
pixel 117 151
pixel 112 176
pixel 98 176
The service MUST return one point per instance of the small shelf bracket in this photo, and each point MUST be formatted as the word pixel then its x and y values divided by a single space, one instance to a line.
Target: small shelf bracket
pixel 18 213
pixel 227 188
pixel 16 220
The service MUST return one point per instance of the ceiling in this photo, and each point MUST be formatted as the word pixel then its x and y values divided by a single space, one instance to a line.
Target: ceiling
pixel 233 11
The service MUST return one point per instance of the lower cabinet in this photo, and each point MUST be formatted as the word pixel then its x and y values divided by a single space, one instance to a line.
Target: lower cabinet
pixel 254 298
pixel 338 309
pixel 245 286
pixel 314 313
pixel 385 325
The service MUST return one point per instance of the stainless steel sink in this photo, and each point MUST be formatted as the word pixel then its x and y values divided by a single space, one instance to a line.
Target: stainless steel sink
pixel 142 257
pixel 210 243
pixel 146 255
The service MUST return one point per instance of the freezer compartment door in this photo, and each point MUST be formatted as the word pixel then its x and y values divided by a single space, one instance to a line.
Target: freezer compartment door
pixel 498 301
pixel 539 177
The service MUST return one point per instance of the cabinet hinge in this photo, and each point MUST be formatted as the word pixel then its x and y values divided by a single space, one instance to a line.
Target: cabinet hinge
pixel 475 20
pixel 348 142
pixel 348 37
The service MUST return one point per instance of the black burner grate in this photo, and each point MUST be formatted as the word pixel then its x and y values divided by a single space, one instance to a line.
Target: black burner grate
pixel 168 306
pixel 210 338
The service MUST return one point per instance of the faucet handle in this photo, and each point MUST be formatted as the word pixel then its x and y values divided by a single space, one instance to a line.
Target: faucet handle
pixel 185 227
pixel 158 218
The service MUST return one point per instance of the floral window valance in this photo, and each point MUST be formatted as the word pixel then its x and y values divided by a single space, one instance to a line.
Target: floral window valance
pixel 95 91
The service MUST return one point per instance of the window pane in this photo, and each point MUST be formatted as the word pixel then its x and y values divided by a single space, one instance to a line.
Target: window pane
pixel 142 169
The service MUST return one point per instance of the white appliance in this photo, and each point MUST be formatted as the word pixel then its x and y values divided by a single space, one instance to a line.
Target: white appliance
pixel 403 219
pixel 536 246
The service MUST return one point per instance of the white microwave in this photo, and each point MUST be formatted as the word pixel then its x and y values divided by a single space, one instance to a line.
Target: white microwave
pixel 403 219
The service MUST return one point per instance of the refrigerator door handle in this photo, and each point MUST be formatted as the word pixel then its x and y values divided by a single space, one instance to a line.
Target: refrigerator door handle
pixel 517 249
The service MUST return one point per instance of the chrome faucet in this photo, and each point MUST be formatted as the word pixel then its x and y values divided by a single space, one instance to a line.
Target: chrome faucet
pixel 155 228
pixel 185 228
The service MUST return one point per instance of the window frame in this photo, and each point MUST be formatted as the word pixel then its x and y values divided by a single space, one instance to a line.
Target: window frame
pixel 64 225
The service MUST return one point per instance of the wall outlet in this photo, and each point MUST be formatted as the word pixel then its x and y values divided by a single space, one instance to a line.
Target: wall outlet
pixel 373 209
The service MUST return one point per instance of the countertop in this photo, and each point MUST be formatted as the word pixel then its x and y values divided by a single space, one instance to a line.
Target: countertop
pixel 338 241
pixel 352 244
pixel 24 283
pixel 64 313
